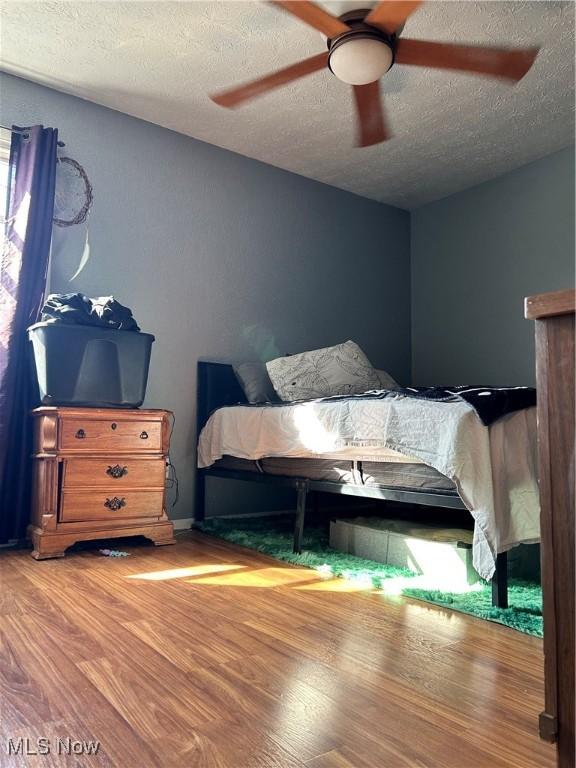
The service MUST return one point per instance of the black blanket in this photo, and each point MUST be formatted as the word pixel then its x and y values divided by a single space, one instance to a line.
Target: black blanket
pixel 490 403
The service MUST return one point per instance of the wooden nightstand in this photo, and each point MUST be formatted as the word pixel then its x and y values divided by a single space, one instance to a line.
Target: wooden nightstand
pixel 98 474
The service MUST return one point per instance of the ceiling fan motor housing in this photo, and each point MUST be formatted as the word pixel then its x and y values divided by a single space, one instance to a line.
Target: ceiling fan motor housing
pixel 363 44
pixel 359 30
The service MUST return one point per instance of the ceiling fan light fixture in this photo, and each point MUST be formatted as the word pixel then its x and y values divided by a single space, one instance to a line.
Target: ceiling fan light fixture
pixel 360 60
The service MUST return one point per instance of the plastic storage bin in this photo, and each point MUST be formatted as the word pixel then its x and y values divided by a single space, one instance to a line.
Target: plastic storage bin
pixel 90 366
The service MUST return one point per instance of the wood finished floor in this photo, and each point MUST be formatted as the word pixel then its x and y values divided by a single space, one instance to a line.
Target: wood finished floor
pixel 205 655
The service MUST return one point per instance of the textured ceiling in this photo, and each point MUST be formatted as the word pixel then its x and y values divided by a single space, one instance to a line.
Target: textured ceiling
pixel 158 61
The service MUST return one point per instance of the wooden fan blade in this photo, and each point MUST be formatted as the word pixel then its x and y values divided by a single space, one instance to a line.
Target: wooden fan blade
pixel 316 17
pixel 237 96
pixel 389 15
pixel 371 124
pixel 509 63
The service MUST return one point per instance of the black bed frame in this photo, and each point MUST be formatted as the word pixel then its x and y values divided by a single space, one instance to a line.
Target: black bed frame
pixel 218 386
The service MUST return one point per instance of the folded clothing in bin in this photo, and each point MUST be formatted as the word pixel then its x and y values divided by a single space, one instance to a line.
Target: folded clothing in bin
pixel 81 310
pixel 90 352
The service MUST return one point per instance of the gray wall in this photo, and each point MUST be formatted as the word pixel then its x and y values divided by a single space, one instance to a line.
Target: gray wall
pixel 475 256
pixel 220 256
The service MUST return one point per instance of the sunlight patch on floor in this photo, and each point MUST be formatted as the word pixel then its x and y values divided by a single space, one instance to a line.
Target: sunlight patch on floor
pixel 338 585
pixel 180 573
pixel 261 577
pixel 320 579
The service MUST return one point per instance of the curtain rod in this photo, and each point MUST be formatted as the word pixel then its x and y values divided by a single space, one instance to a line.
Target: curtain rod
pixel 23 131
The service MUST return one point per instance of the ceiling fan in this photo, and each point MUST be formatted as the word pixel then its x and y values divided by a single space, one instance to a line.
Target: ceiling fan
pixel 363 45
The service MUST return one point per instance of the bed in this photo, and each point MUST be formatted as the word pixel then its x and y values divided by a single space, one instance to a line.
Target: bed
pixel 392 450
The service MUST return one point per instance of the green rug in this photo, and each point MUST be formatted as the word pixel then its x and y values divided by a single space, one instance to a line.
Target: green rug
pixel 273 536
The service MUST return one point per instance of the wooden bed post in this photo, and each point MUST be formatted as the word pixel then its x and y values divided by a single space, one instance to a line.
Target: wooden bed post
pixel 500 582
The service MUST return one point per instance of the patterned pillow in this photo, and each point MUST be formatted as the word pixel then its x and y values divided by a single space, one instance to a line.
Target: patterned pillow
pixel 340 370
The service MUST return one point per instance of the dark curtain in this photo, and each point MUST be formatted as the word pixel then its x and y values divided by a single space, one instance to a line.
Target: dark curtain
pixel 23 273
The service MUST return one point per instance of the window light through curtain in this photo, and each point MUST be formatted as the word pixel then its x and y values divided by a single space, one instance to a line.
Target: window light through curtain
pixel 4 160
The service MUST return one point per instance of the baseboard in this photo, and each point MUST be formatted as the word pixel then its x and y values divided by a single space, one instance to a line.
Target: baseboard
pixel 248 515
pixel 185 523
pixel 182 523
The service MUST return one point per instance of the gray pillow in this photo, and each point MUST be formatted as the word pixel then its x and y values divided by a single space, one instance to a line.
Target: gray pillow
pixel 386 381
pixel 340 370
pixel 255 381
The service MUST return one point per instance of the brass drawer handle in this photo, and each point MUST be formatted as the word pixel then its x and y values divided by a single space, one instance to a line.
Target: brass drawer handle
pixel 143 435
pixel 113 425
pixel 80 435
pixel 117 471
pixel 115 503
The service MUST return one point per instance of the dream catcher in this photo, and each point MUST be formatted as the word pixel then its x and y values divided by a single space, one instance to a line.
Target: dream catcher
pixel 73 201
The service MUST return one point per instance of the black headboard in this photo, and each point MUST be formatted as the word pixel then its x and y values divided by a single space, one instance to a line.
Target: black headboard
pixel 217 385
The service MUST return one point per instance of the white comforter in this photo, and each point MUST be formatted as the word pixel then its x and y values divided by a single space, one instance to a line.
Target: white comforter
pixel 494 468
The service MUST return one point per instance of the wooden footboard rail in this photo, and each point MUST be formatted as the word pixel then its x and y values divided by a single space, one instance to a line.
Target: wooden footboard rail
pixel 218 386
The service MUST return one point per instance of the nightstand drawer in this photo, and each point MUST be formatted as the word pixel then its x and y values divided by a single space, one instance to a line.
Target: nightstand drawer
pixel 110 435
pixel 114 472
pixel 112 504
